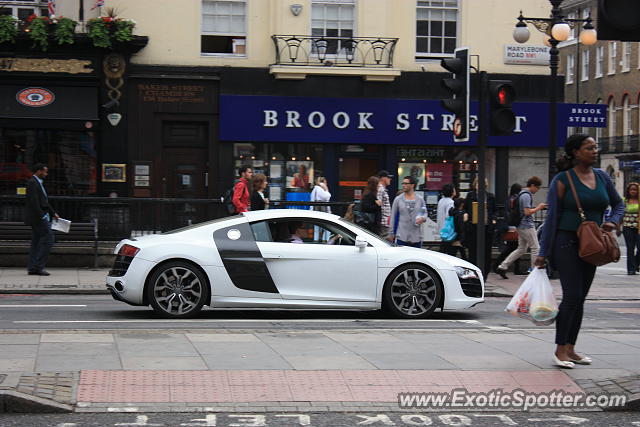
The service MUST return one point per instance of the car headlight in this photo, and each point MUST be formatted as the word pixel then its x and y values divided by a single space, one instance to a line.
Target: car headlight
pixel 466 273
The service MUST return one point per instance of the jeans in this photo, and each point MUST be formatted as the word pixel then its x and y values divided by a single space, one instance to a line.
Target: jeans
pixel 41 243
pixel 412 244
pixel 632 240
pixel 527 238
pixel 576 277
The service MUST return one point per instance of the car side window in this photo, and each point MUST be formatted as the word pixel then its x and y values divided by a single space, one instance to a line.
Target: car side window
pixel 261 231
pixel 295 231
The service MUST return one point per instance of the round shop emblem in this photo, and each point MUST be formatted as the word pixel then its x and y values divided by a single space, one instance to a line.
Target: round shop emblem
pixel 35 97
pixel 234 234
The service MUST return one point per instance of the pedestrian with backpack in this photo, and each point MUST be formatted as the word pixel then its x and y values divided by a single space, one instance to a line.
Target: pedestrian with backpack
pixel 241 191
pixel 527 236
pixel 507 229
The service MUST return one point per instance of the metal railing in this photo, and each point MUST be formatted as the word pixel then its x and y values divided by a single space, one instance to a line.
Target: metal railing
pixel 123 217
pixel 334 51
pixel 620 144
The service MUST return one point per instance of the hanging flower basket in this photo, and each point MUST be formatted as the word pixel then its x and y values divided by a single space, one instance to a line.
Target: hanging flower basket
pixel 106 30
pixel 8 28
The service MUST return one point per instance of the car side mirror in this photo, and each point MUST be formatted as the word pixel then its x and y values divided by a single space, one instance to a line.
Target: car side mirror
pixel 361 243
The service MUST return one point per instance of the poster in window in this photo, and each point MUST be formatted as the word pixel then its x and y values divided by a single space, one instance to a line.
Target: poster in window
pixel 114 172
pixel 416 170
pixel 300 175
pixel 438 174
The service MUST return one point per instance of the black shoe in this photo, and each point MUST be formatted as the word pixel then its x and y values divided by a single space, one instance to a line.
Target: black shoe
pixel 43 273
pixel 32 273
pixel 502 273
pixel 631 273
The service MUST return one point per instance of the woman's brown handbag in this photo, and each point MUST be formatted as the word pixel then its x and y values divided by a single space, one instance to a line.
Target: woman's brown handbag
pixel 511 235
pixel 596 246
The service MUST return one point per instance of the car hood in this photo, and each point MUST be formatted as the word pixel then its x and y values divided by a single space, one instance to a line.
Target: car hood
pixel 440 260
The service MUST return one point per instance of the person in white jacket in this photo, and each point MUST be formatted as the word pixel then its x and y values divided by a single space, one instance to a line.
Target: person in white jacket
pixel 320 193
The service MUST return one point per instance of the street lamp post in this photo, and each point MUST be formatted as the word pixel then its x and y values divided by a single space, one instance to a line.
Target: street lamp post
pixel 557 27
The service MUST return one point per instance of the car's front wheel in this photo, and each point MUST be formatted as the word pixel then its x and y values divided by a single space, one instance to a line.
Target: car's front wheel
pixel 177 290
pixel 412 291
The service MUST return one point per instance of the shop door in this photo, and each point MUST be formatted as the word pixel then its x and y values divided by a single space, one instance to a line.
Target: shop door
pixel 354 173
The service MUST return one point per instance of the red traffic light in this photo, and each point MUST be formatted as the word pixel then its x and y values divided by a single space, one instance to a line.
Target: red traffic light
pixel 502 96
pixel 501 92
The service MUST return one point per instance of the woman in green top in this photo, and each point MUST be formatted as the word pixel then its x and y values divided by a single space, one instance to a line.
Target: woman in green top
pixel 631 227
pixel 559 240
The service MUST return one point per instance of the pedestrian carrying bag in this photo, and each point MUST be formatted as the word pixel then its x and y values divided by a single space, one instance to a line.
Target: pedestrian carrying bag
pixel 595 245
pixel 448 232
pixel 534 300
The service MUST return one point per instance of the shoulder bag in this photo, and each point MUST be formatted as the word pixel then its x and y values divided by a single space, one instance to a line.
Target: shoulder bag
pixel 596 246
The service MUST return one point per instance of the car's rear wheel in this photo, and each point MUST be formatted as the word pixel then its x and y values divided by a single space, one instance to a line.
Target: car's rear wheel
pixel 412 291
pixel 177 290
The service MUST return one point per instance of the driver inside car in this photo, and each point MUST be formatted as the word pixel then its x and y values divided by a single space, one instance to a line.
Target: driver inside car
pixel 299 231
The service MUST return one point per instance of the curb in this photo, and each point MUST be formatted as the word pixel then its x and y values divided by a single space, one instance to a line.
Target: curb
pixel 40 291
pixel 16 402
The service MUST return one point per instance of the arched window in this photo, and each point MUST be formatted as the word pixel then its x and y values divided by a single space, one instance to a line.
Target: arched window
pixel 626 116
pixel 612 118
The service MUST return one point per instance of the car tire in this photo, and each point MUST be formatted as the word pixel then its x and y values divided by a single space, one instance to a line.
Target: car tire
pixel 412 291
pixel 177 290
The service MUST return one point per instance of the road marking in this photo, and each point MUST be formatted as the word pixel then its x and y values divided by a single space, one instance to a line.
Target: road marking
pixel 409 321
pixel 40 305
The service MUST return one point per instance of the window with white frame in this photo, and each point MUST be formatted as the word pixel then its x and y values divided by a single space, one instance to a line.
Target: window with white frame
pixel 599 61
pixel 224 26
pixel 613 56
pixel 626 56
pixel 436 27
pixel 570 69
pixel 585 65
pixel 335 20
pixel 627 128
pixel 23 9
pixel 572 33
pixel 612 118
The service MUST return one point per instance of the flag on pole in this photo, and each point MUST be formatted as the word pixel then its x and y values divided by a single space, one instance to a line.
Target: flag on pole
pixel 51 5
pixel 98 3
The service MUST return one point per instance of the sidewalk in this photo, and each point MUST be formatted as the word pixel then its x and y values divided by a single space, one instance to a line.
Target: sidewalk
pixel 299 371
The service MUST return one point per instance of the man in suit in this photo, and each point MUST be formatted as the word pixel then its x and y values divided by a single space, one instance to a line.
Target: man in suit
pixel 38 214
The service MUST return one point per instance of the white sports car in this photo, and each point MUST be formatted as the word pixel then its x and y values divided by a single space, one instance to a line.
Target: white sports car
pixel 287 258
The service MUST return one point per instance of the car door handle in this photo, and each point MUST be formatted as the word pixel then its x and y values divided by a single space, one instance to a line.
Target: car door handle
pixel 271 256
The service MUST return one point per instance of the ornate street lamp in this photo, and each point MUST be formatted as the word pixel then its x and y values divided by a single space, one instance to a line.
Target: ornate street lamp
pixel 558 29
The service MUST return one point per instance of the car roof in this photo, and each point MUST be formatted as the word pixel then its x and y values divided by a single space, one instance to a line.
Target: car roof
pixel 288 213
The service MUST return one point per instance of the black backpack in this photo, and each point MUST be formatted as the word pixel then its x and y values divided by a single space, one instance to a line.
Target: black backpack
pixel 515 216
pixel 227 199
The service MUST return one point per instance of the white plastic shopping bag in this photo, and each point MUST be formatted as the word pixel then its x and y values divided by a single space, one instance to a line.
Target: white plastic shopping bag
pixel 534 300
pixel 60 224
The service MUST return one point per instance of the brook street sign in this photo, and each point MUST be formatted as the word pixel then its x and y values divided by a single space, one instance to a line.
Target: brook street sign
pixel 366 121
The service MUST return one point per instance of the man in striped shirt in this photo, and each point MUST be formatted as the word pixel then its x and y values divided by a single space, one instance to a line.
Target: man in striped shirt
pixel 383 196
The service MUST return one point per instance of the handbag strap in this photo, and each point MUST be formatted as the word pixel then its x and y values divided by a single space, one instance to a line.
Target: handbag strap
pixel 575 196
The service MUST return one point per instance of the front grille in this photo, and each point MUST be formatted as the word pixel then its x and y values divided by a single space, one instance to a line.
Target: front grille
pixel 120 266
pixel 471 287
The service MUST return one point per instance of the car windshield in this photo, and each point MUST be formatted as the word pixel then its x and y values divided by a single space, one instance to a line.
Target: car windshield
pixel 201 224
pixel 365 231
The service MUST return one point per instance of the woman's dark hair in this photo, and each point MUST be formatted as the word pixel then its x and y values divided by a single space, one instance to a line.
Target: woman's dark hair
pixel 627 190
pixel 372 185
pixel 574 142
pixel 447 190
pixel 515 189
pixel 459 201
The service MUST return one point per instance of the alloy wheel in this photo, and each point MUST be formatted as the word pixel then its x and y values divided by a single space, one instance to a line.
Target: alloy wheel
pixel 178 291
pixel 414 292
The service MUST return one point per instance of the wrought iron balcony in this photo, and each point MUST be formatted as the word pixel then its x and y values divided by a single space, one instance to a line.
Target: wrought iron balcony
pixel 334 51
pixel 619 144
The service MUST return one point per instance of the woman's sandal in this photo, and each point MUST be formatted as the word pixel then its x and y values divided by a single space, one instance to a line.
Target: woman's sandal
pixel 562 363
pixel 584 361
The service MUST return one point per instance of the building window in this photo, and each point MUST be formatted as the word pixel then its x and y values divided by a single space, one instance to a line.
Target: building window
pixel 570 69
pixel 599 61
pixel 627 127
pixel 626 56
pixel 333 18
pixel 612 118
pixel 23 9
pixel 572 34
pixel 436 27
pixel 585 65
pixel 613 56
pixel 223 26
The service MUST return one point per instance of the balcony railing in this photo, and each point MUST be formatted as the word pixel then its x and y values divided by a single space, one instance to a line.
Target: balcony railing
pixel 620 144
pixel 334 51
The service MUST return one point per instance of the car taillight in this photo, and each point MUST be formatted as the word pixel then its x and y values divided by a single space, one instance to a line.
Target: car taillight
pixel 128 250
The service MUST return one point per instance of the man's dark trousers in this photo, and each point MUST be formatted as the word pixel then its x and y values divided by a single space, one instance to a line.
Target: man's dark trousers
pixel 41 243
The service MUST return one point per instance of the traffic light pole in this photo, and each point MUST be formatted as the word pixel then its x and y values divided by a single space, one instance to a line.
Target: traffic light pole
pixel 483 132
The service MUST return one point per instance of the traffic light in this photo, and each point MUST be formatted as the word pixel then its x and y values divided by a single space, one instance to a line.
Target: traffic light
pixel 619 20
pixel 501 116
pixel 458 104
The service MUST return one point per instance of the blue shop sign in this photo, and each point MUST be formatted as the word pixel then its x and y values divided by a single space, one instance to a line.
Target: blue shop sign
pixel 582 115
pixel 366 121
